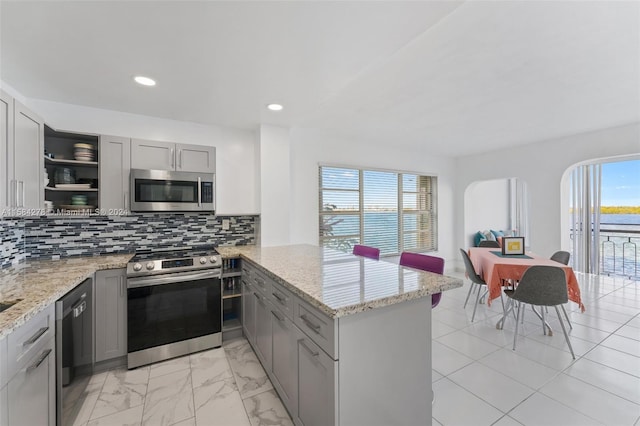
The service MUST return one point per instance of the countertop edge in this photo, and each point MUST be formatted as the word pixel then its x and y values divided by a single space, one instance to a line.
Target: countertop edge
pixel 10 321
pixel 355 308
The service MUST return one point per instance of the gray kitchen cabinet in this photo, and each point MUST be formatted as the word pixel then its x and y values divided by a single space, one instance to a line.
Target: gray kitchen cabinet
pixel 4 407
pixel 333 371
pixel 115 165
pixel 157 155
pixel 4 418
pixel 284 364
pixel 263 330
pixel 24 161
pixel 29 396
pixel 31 392
pixel 6 135
pixel 317 378
pixel 111 315
pixel 248 309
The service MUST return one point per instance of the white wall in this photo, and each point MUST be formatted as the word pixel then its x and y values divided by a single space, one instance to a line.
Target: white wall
pixel 541 166
pixel 235 149
pixel 486 207
pixel 309 148
pixel 275 179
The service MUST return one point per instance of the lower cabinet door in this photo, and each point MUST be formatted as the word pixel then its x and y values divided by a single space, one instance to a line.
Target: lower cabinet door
pixel 111 314
pixel 248 312
pixel 263 331
pixel 316 384
pixel 31 392
pixel 285 360
pixel 4 407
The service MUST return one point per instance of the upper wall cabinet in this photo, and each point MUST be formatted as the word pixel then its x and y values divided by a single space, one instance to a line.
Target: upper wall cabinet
pixel 21 163
pixel 71 161
pixel 115 164
pixel 157 155
pixel 28 171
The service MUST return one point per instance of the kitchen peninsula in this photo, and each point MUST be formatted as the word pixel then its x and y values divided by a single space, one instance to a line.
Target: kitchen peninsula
pixel 345 340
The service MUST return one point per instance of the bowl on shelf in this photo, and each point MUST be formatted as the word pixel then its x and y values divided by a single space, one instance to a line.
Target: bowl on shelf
pixel 79 200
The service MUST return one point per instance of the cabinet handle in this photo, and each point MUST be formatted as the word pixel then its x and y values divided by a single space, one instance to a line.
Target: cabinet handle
pixel 173 158
pixel 180 158
pixel 15 193
pixel 275 314
pixel 280 299
pixel 126 200
pixel 199 191
pixel 258 297
pixel 35 337
pixel 121 286
pixel 304 345
pixel 21 193
pixel 314 327
pixel 39 361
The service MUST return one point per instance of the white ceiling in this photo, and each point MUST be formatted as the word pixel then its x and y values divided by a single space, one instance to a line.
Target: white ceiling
pixel 457 77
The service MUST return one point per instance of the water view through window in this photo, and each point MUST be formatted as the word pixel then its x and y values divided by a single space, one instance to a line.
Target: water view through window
pixel 389 210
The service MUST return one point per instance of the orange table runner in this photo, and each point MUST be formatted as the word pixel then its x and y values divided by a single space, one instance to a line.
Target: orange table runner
pixel 494 269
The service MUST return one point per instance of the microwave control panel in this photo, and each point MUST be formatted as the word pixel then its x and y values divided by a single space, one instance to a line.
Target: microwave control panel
pixel 207 192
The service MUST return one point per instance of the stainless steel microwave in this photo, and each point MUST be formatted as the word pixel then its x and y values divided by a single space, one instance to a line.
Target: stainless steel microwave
pixel 172 191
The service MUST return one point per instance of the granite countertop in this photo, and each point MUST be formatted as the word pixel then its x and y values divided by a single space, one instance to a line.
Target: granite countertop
pixel 40 283
pixel 339 283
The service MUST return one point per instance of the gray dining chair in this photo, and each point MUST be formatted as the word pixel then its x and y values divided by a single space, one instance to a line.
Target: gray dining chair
pixel 543 286
pixel 476 281
pixel 563 257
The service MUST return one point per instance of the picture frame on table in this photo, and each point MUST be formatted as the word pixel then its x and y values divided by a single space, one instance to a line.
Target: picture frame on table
pixel 512 245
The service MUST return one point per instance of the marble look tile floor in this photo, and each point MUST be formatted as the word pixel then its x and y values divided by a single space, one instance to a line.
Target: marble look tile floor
pixel 473 367
pixel 218 387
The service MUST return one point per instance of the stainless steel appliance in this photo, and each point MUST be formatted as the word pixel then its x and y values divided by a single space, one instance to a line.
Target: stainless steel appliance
pixel 174 303
pixel 74 348
pixel 166 190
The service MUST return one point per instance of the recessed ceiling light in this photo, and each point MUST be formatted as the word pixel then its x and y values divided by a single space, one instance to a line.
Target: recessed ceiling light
pixel 275 107
pixel 145 81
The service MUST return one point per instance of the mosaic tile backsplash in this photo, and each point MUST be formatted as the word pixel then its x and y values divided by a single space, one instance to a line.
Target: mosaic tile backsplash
pixel 12 242
pixel 58 237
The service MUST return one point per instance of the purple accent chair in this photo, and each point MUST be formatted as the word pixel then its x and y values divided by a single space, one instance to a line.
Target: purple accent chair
pixel 425 263
pixel 366 251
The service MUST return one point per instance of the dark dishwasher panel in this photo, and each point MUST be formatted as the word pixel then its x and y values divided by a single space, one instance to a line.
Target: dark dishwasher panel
pixel 74 345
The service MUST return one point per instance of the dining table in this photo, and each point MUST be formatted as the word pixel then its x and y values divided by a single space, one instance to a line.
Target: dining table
pixel 497 269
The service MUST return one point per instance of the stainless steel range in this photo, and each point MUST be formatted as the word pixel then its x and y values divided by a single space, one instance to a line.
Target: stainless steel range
pixel 174 303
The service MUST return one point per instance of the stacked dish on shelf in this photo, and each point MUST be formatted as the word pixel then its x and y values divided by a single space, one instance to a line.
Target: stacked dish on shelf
pixel 84 152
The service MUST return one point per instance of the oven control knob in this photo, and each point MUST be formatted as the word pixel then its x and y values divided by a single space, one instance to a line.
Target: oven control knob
pixel 203 260
pixel 150 266
pixel 137 267
pixel 213 259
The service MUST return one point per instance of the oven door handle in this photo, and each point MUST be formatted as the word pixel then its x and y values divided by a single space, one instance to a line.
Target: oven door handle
pixel 171 278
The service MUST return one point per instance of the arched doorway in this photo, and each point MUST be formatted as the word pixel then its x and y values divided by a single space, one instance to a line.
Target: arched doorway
pixel 601 216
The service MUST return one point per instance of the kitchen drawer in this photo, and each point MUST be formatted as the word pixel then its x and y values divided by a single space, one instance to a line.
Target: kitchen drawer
pixel 247 272
pixel 282 299
pixel 319 327
pixel 262 283
pixel 29 339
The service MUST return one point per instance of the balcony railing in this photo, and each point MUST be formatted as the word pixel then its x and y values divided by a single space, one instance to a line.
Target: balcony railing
pixel 619 252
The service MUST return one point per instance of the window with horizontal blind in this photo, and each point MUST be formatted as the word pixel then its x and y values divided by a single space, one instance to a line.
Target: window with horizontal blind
pixel 393 211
